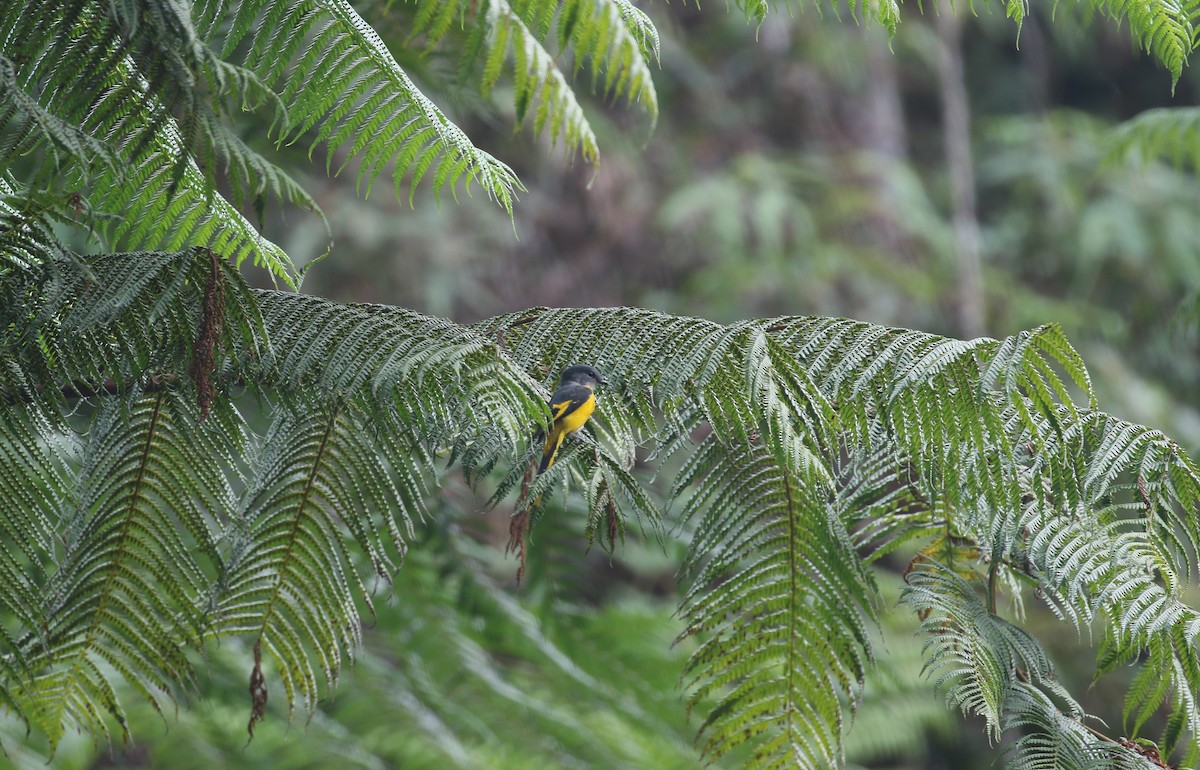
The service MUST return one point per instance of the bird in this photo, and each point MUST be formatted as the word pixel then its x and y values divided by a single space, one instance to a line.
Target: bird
pixel 571 406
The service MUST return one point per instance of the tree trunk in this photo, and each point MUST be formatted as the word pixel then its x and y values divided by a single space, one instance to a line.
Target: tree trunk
pixel 956 125
pixel 884 136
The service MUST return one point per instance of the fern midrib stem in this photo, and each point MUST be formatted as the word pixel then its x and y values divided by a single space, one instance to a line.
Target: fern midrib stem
pixel 295 529
pixel 134 496
pixel 993 574
pixel 794 577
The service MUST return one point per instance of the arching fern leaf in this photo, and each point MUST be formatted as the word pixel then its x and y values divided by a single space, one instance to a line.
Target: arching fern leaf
pixel 809 448
pixel 1159 134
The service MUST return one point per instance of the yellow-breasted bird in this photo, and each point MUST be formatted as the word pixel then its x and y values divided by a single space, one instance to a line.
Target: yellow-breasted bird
pixel 571 406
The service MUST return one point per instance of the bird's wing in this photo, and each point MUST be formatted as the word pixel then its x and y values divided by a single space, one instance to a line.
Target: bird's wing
pixel 567 399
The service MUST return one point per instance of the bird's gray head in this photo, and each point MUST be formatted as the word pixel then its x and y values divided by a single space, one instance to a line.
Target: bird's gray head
pixel 583 375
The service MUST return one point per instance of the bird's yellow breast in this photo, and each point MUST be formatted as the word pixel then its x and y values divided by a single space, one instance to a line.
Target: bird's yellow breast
pixel 575 420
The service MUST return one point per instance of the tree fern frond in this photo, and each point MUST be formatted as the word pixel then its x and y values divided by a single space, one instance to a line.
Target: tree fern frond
pixel 151 93
pixel 798 422
pixel 1163 28
pixel 806 448
pixel 152 492
pixel 612 38
pixel 1159 134
pixel 778 656
pixel 124 318
pixel 540 87
pixel 292 584
pixel 36 484
pixel 612 495
pixel 614 35
pixel 1048 739
pixel 641 28
pixel 26 126
pixel 978 658
pixel 174 209
pixel 149 102
pixel 401 358
pixel 380 117
pixel 885 12
pixel 26 218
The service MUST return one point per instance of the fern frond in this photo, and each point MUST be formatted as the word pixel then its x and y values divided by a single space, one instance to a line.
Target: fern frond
pixel 379 117
pixel 408 361
pixel 1048 739
pixel 136 121
pixel 291 583
pixel 540 86
pixel 641 28
pixel 26 125
pixel 1163 28
pixel 26 220
pixel 1159 134
pixel 979 659
pixel 174 212
pixel 615 35
pixel 612 38
pixel 36 483
pixel 778 655
pixel 122 318
pixel 146 95
pixel 809 447
pixel 151 494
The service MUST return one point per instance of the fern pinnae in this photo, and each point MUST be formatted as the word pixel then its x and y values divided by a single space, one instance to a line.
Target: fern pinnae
pixel 190 215
pixel 139 80
pixel 31 451
pixel 287 516
pixel 538 80
pixel 125 592
pixel 33 126
pixel 496 178
pixel 773 555
pixel 417 349
pixel 1157 134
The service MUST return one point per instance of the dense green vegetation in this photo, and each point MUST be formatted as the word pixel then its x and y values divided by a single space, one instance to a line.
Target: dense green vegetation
pixel 791 528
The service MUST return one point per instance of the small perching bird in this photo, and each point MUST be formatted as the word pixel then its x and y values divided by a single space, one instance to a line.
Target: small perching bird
pixel 571 406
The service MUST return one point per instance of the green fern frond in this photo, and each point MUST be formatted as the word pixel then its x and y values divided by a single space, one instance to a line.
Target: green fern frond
pixel 540 86
pixel 933 440
pixel 885 12
pixel 36 483
pixel 1163 28
pixel 174 212
pixel 612 38
pixel 379 118
pixel 1048 739
pixel 137 122
pixel 151 494
pixel 1159 134
pixel 808 447
pixel 979 659
pixel 779 655
pixel 122 319
pixel 26 126
pixel 136 95
pixel 291 582
pixel 26 221
pixel 405 360
pixel 641 28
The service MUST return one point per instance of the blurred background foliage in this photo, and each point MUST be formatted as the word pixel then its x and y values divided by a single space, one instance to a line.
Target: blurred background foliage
pixel 796 168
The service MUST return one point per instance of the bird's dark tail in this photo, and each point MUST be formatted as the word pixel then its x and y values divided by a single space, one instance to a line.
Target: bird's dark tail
pixel 550 451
